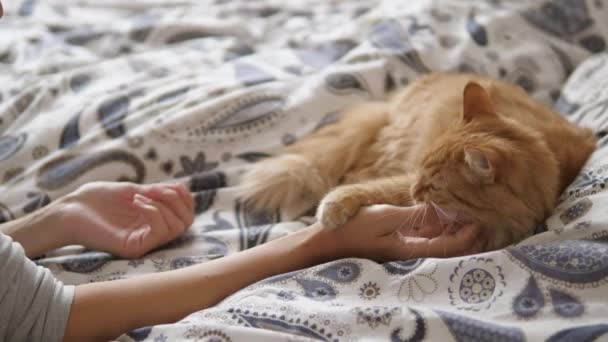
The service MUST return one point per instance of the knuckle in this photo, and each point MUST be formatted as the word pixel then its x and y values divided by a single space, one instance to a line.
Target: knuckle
pixel 181 187
pixel 172 194
pixel 154 210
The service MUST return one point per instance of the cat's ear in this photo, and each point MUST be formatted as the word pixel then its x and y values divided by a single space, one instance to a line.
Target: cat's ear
pixel 476 102
pixel 480 166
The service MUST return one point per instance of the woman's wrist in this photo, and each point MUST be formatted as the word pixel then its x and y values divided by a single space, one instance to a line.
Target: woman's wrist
pixel 316 245
pixel 40 231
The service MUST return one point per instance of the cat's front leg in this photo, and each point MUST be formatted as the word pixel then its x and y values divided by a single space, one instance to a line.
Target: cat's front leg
pixel 343 203
pixel 340 205
pixel 305 171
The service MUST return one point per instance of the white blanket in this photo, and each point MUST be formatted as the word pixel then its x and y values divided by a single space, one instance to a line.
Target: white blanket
pixel 196 90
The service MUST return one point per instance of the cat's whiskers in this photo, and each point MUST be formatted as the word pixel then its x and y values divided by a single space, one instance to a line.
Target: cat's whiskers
pixel 426 207
pixel 414 220
pixel 428 246
pixel 406 220
pixel 390 214
pixel 443 226
pixel 441 213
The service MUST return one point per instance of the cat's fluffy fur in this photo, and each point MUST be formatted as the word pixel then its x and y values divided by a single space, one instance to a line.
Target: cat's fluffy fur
pixel 468 144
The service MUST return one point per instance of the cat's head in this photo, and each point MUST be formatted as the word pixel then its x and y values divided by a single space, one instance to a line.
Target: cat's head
pixel 489 169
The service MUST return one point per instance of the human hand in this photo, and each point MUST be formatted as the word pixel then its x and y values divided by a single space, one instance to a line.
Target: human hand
pixel 384 233
pixel 126 219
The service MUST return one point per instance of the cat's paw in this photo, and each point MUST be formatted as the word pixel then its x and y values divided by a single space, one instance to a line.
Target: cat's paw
pixel 287 181
pixel 337 208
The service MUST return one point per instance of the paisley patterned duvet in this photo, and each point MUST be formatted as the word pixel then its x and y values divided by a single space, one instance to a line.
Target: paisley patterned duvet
pixel 197 90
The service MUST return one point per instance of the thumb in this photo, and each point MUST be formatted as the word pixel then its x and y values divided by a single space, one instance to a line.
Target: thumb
pixel 137 243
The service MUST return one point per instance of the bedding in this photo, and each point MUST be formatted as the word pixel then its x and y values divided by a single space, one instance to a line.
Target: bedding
pixel 197 90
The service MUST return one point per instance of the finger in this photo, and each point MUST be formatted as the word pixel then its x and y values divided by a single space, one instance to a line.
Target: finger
pixel 448 245
pixel 398 247
pixel 155 230
pixel 426 223
pixel 172 199
pixel 422 229
pixel 152 232
pixel 185 194
pixel 174 224
pixel 136 243
pixel 475 248
pixel 443 246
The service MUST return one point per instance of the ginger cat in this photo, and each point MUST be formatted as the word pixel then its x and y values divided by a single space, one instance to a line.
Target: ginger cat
pixel 469 145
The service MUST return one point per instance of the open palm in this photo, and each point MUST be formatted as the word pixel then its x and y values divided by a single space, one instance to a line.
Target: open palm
pixel 126 219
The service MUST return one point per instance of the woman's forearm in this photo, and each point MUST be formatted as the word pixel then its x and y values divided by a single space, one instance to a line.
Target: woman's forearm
pixel 160 298
pixel 38 232
pixel 165 297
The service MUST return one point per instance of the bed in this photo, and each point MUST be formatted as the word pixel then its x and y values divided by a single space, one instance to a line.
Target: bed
pixel 197 90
